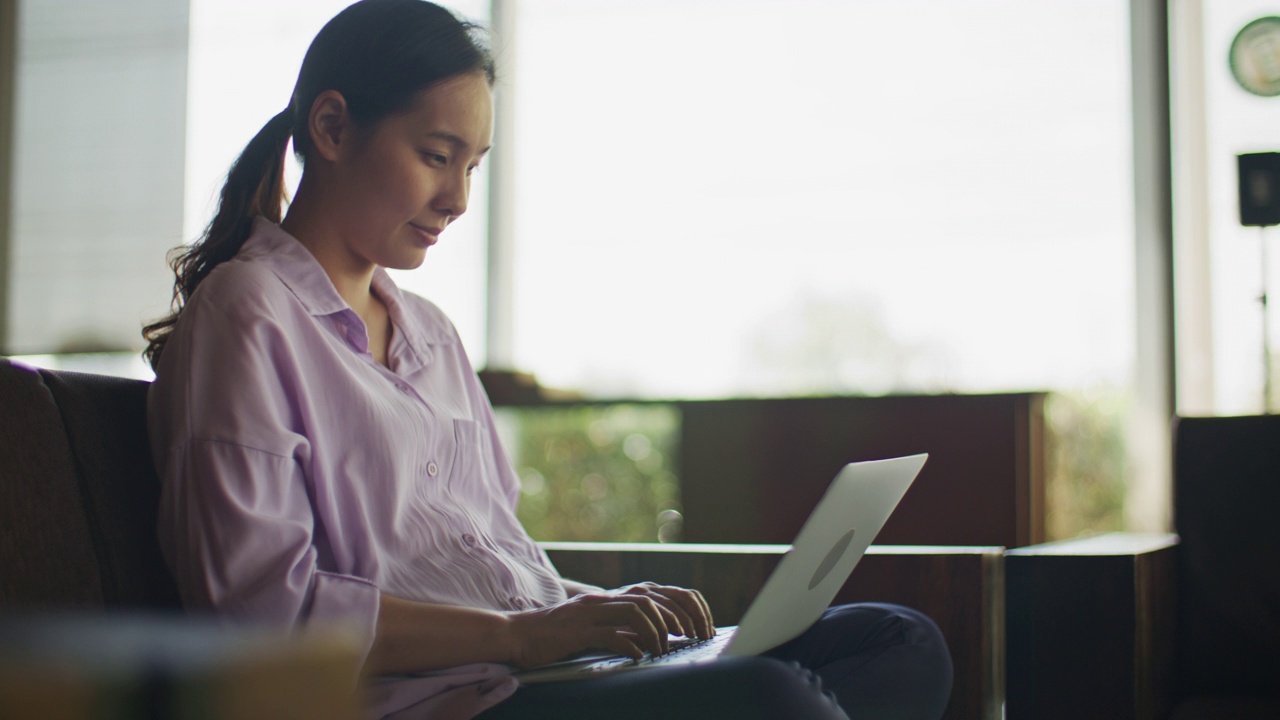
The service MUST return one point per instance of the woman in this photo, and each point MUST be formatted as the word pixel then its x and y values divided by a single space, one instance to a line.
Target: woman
pixel 328 455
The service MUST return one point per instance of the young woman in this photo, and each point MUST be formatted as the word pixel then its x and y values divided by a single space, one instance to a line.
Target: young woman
pixel 328 454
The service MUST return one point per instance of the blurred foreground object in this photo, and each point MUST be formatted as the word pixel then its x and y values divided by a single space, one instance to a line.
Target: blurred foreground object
pixel 136 666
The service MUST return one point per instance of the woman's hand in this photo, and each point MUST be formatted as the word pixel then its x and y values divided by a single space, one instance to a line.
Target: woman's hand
pixel 628 621
pixel 684 611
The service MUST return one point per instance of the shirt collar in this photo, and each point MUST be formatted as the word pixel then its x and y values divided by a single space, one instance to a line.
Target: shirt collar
pixel 430 330
pixel 299 270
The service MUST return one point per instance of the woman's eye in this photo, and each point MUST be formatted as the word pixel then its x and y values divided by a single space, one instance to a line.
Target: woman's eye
pixel 435 158
pixel 472 169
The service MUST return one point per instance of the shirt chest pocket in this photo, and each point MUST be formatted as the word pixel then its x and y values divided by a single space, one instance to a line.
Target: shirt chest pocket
pixel 472 460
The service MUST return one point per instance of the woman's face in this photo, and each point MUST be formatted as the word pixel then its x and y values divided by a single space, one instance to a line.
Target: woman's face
pixel 403 180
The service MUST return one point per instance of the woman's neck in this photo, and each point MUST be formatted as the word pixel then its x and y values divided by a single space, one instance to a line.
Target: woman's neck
pixel 351 276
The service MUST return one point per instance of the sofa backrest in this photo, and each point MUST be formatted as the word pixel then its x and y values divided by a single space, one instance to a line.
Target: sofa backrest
pixel 78 494
pixel 1226 503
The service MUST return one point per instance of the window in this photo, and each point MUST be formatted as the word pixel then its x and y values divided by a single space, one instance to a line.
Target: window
pixel 718 198
pixel 751 198
pixel 96 184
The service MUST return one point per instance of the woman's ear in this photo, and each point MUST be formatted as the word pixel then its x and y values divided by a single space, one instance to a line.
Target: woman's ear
pixel 329 124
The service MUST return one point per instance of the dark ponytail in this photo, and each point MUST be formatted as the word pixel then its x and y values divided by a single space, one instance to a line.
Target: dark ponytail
pixel 379 54
pixel 255 186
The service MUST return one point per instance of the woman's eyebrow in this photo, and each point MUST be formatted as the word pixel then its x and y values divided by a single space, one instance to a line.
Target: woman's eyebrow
pixel 456 141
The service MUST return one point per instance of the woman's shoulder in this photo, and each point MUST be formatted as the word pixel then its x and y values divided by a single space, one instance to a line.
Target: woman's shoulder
pixel 240 273
pixel 239 288
pixel 243 324
pixel 272 273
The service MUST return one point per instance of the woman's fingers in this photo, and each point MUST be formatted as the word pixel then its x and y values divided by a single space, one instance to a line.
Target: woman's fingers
pixel 647 622
pixel 619 642
pixel 696 605
pixel 687 605
pixel 676 616
pixel 640 614
pixel 675 619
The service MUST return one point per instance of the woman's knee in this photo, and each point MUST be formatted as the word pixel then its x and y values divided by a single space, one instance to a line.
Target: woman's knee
pixel 920 631
pixel 877 624
pixel 901 666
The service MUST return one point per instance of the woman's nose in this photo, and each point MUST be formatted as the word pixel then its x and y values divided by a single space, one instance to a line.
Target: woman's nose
pixel 453 196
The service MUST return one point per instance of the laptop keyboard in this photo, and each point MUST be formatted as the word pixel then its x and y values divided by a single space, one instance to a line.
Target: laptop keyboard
pixel 685 649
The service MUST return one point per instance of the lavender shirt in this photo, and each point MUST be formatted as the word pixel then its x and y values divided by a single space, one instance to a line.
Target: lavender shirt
pixel 301 479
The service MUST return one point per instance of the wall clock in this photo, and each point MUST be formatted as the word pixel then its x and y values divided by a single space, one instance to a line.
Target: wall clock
pixel 1255 57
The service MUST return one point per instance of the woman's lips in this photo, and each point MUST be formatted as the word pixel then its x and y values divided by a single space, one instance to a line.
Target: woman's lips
pixel 429 235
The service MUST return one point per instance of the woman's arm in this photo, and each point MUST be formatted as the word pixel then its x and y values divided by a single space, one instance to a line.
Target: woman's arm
pixel 415 637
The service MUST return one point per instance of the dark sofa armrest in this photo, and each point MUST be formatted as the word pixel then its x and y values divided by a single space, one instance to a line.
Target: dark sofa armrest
pixel 961 588
pixel 1090 625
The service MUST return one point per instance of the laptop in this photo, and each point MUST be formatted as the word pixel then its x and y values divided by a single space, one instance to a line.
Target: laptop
pixel 802 586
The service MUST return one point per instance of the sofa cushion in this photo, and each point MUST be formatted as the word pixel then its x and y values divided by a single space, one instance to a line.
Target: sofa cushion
pixel 106 424
pixel 48 554
pixel 78 494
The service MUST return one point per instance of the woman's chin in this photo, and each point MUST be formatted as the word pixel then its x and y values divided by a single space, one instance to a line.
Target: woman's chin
pixel 411 260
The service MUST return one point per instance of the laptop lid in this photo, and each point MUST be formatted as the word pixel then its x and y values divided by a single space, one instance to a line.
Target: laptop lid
pixel 832 541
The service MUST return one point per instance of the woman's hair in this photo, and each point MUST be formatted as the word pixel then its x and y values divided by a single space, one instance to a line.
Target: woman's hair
pixel 378 54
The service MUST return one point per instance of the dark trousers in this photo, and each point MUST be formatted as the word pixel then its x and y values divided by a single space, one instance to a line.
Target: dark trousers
pixel 867 661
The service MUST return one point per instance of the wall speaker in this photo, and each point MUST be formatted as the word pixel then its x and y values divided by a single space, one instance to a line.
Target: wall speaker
pixel 1259 189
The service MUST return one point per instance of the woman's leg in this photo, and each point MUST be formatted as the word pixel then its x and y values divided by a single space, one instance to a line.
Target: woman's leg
pixel 740 688
pixel 881 661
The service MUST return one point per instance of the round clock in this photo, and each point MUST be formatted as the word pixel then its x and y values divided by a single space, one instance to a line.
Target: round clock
pixel 1255 57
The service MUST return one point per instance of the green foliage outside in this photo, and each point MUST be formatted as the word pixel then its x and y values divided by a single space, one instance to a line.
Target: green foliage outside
pixel 598 473
pixel 1086 463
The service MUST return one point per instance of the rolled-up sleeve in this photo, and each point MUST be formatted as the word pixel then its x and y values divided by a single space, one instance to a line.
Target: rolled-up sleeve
pixel 241 526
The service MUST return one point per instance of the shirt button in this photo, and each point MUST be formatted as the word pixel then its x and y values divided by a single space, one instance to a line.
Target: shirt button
pixel 469 539
pixel 519 603
pixel 433 469
pixel 402 388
